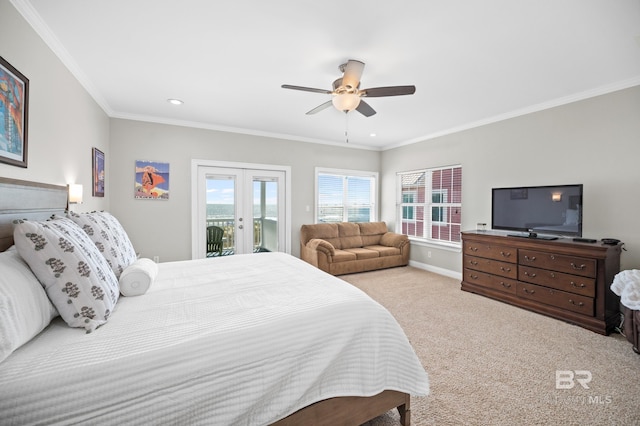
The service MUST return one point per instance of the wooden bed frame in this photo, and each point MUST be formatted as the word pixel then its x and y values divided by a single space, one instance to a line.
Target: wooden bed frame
pixel 38 201
pixel 350 410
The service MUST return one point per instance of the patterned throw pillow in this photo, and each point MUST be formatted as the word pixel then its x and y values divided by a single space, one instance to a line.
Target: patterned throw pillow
pixel 109 236
pixel 75 275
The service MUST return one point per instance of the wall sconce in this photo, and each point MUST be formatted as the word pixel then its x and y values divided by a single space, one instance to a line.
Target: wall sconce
pixel 556 196
pixel 75 193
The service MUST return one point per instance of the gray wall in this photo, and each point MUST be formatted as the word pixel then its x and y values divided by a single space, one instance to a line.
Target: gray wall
pixel 64 121
pixel 595 142
pixel 163 228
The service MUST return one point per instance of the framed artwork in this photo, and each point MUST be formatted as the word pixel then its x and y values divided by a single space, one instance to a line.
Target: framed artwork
pixel 152 180
pixel 14 115
pixel 98 172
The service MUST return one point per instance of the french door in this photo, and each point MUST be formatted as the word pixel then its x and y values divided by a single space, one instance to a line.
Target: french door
pixel 249 204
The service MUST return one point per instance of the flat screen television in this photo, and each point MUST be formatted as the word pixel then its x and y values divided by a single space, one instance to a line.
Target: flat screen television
pixel 541 211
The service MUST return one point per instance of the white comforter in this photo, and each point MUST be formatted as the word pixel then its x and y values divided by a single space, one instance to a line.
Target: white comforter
pixel 234 340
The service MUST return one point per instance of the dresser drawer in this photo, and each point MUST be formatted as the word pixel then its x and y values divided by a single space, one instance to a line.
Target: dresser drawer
pixel 561 299
pixel 505 269
pixel 490 281
pixel 556 262
pixel 490 251
pixel 559 280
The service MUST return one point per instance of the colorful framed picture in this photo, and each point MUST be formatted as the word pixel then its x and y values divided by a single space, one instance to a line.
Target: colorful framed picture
pixel 152 180
pixel 14 115
pixel 98 172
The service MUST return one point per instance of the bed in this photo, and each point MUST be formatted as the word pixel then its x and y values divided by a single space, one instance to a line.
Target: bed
pixel 252 339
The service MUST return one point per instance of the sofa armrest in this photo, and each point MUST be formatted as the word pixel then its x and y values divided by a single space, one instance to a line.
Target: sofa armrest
pixel 322 246
pixel 391 239
pixel 318 252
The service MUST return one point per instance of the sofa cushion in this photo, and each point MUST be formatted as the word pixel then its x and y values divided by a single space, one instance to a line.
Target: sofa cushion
pixel 349 235
pixel 371 232
pixel 323 231
pixel 391 239
pixel 343 256
pixel 348 229
pixel 384 250
pixel 363 253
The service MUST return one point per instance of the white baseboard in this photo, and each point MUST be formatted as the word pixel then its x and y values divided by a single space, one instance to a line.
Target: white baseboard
pixel 435 269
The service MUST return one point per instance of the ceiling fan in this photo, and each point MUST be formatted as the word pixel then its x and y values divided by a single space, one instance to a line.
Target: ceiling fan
pixel 346 93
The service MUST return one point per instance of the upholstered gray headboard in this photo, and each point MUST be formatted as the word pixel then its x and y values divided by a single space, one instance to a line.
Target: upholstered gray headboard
pixel 20 199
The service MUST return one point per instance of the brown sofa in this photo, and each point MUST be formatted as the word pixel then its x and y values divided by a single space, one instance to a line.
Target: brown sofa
pixel 346 247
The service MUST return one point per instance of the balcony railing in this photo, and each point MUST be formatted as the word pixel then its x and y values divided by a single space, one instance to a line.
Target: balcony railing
pixel 261 234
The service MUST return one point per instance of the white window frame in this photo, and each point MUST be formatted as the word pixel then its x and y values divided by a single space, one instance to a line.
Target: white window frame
pixel 373 212
pixel 427 205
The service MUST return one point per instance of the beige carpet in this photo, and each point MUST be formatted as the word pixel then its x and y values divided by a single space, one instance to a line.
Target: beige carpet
pixel 490 363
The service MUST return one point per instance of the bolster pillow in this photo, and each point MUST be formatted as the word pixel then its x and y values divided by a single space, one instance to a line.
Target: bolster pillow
pixel 136 279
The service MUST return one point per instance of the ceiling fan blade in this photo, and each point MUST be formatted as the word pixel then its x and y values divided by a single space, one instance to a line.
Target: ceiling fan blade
pixel 306 89
pixel 377 92
pixel 320 108
pixel 365 109
pixel 352 73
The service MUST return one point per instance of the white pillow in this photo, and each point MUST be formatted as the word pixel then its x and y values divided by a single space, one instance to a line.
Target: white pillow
pixel 109 236
pixel 138 277
pixel 25 309
pixel 75 275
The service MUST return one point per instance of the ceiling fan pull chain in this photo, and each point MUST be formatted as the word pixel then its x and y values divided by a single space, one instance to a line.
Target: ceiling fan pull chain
pixel 346 126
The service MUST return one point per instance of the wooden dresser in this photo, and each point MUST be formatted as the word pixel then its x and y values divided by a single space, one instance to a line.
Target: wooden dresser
pixel 561 278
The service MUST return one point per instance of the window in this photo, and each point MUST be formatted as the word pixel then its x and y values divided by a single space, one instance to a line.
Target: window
pixel 430 204
pixel 345 196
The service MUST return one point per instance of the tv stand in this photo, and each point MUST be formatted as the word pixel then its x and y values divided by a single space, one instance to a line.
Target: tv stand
pixel 563 279
pixel 534 235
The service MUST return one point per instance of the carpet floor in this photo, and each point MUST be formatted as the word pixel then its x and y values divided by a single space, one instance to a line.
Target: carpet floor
pixel 490 363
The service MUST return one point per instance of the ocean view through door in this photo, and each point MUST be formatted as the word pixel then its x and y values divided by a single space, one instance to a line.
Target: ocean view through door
pixel 240 211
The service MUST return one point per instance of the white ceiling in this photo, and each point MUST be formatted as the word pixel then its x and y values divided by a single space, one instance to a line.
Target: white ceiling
pixel 472 62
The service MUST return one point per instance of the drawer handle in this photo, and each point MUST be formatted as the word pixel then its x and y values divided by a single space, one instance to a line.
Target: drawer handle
pixel 526 290
pixel 532 275
pixel 475 277
pixel 507 254
pixel 552 275
pixel 473 262
pixel 473 248
pixel 552 257
pixel 581 285
pixel 578 268
pixel 530 259
pixel 502 268
pixel 505 285
pixel 576 304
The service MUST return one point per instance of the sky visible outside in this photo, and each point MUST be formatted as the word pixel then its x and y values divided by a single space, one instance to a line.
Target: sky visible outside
pixel 222 191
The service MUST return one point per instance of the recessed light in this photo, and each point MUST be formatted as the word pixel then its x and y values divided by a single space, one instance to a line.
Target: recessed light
pixel 175 101
pixel 373 135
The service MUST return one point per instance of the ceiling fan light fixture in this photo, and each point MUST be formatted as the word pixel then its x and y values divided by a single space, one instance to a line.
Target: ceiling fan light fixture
pixel 346 101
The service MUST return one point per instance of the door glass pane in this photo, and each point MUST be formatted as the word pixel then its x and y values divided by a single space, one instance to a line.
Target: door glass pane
pixel 265 215
pixel 221 208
